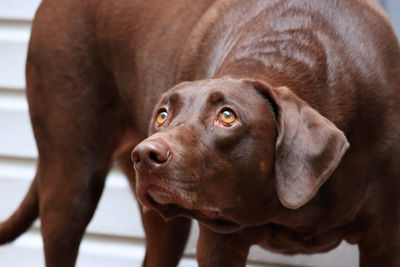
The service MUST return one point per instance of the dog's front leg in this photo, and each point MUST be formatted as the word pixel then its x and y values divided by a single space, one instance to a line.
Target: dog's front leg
pixel 165 241
pixel 225 250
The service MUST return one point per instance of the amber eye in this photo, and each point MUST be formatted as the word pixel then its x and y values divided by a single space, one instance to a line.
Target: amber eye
pixel 227 117
pixel 162 117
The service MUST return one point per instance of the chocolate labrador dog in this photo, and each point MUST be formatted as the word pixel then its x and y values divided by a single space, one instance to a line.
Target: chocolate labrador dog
pixel 282 127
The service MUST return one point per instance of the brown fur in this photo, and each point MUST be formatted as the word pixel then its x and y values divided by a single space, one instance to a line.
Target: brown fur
pixel 314 157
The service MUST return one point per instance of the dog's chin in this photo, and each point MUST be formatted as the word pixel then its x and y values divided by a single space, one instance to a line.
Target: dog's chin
pixel 170 207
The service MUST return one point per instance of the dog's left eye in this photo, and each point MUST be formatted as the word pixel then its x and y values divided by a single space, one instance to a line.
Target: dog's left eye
pixel 162 117
pixel 227 117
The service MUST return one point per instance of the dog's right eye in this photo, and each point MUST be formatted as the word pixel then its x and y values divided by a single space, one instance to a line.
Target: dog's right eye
pixel 162 117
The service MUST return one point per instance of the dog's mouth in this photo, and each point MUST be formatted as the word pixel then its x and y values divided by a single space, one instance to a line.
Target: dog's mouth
pixel 211 218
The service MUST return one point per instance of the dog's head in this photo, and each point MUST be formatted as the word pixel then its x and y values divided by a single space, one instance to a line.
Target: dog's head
pixel 222 150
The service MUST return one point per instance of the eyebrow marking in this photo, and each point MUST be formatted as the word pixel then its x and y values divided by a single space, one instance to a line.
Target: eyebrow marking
pixel 215 97
pixel 175 99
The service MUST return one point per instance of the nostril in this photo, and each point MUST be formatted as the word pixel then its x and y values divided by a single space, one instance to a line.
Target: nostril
pixel 158 157
pixel 135 157
pixel 153 157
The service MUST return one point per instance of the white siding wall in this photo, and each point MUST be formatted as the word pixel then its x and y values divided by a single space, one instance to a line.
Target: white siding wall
pixel 392 7
pixel 115 236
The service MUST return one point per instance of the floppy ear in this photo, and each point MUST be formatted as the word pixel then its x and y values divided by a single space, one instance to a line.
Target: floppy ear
pixel 309 147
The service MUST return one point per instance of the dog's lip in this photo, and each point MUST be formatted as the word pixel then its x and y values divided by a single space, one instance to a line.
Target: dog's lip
pixel 169 208
pixel 160 195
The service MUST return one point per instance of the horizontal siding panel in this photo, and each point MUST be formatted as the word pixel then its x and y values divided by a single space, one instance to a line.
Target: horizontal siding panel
pixel 14 39
pixel 16 137
pixel 393 9
pixel 18 9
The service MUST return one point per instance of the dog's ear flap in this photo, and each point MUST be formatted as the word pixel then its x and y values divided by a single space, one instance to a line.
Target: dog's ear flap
pixel 309 147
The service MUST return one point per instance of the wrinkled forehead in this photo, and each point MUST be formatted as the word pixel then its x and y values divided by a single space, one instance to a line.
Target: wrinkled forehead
pixel 212 91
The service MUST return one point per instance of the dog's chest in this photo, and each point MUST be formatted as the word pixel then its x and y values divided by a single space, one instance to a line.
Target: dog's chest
pixel 286 241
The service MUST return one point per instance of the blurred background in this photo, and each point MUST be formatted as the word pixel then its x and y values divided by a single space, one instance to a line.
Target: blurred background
pixel 115 236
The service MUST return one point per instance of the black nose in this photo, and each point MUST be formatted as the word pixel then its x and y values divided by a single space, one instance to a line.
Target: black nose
pixel 150 154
